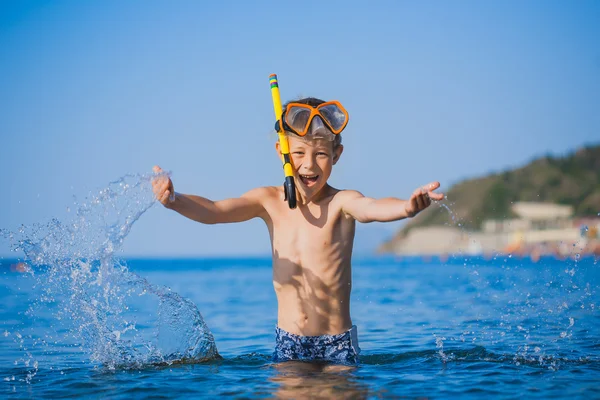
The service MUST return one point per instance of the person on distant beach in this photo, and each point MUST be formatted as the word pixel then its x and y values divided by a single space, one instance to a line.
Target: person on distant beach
pixel 311 244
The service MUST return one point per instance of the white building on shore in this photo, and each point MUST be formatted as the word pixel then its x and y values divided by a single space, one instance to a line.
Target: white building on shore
pixel 538 228
pixel 536 223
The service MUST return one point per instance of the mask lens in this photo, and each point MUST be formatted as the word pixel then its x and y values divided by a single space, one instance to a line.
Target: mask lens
pixel 297 118
pixel 318 128
pixel 334 116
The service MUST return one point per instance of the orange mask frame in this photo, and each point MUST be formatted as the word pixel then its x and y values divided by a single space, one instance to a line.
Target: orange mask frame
pixel 314 111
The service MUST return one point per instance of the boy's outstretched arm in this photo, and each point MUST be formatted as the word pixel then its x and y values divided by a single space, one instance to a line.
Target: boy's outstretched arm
pixel 203 210
pixel 366 209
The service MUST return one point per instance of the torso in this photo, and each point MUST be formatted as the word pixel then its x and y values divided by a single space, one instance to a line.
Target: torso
pixel 312 251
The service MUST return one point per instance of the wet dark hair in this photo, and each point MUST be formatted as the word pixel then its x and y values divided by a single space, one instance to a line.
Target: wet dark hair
pixel 313 102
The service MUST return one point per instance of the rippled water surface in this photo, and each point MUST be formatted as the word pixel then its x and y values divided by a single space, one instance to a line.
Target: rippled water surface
pixel 501 327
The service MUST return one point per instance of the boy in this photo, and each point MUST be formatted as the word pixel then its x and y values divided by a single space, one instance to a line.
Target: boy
pixel 311 244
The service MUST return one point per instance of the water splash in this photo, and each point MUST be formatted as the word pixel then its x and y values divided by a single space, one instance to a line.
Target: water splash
pixel 74 269
pixel 453 215
pixel 538 308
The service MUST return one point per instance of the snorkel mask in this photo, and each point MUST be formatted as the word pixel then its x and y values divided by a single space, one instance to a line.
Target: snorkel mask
pixel 321 121
pixel 324 120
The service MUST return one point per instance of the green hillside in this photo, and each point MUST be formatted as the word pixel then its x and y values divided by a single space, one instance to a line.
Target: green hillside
pixel 573 180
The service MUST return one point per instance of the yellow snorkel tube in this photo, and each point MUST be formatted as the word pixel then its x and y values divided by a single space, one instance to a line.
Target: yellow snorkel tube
pixel 289 186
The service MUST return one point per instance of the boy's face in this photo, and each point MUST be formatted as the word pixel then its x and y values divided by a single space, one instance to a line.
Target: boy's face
pixel 312 161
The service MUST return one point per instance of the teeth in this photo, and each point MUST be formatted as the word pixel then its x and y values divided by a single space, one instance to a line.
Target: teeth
pixel 309 176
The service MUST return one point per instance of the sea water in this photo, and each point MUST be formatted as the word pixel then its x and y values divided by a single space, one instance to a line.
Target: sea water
pixel 77 321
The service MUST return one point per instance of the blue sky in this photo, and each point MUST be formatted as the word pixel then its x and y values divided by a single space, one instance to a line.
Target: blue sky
pixel 91 91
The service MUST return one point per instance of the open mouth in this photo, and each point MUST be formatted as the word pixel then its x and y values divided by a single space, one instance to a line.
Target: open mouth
pixel 309 180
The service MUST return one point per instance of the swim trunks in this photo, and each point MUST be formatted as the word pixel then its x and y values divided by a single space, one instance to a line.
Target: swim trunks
pixel 341 348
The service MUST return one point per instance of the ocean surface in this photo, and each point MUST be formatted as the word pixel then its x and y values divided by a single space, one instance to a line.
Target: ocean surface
pixel 462 328
pixel 76 320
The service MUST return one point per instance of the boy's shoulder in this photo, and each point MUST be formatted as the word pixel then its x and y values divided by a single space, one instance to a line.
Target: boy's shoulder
pixel 348 193
pixel 340 197
pixel 263 192
pixel 344 195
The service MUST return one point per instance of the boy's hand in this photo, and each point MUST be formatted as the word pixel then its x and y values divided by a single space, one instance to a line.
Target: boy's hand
pixel 163 187
pixel 421 199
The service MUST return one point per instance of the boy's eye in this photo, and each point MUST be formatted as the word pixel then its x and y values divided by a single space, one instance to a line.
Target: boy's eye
pixel 321 154
pixel 298 152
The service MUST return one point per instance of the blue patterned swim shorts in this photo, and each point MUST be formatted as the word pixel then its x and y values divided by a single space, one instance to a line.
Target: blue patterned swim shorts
pixel 342 348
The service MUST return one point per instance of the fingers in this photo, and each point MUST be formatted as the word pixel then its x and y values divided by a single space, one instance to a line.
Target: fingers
pixel 156 180
pixel 165 191
pixel 166 197
pixel 159 182
pixel 162 186
pixel 165 186
pixel 426 200
pixel 430 187
pixel 416 203
pixel 420 199
pixel 158 189
pixel 416 200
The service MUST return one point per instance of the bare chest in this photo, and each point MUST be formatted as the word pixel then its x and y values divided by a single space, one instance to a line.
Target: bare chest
pixel 310 234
